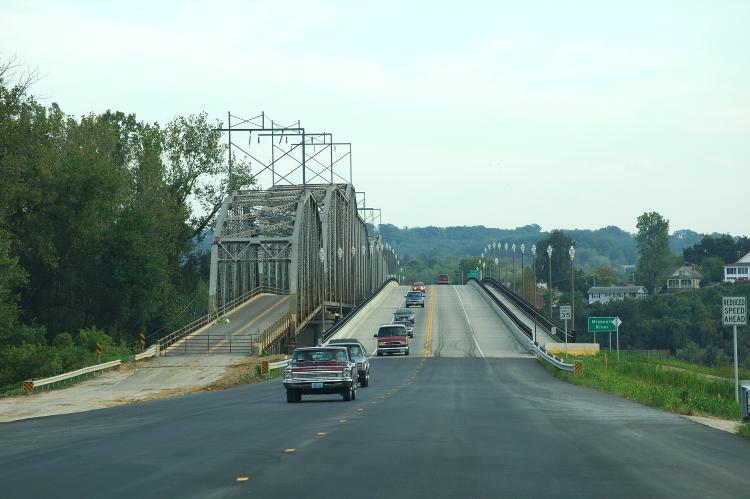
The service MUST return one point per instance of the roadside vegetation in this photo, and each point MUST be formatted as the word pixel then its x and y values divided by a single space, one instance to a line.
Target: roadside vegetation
pixel 646 381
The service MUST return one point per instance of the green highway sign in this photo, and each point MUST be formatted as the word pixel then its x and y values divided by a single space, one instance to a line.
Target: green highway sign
pixel 473 273
pixel 603 324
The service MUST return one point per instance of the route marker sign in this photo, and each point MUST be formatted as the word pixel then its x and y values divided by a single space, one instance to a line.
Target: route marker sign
pixel 733 311
pixel 565 312
pixel 603 324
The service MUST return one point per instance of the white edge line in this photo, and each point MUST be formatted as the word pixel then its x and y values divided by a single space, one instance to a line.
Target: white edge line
pixel 468 322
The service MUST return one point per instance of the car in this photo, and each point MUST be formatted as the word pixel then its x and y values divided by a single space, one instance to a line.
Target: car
pixel 414 299
pixel 358 353
pixel 407 324
pixel 400 313
pixel 320 370
pixel 443 279
pixel 419 286
pixel 392 338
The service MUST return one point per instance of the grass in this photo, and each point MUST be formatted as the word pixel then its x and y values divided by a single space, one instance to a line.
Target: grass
pixel 645 381
pixel 245 372
pixel 744 430
pixel 723 371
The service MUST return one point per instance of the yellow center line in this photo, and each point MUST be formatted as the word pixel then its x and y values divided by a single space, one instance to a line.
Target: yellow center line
pixel 430 309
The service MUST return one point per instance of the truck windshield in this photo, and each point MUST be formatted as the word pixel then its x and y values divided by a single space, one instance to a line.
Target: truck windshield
pixel 391 331
pixel 320 356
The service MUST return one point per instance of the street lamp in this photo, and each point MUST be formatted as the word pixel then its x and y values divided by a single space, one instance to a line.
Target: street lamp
pixel 497 266
pixel 340 254
pixel 507 264
pixel 572 253
pixel 549 283
pixel 514 267
pixel 354 276
pixel 533 270
pixel 322 256
pixel 523 282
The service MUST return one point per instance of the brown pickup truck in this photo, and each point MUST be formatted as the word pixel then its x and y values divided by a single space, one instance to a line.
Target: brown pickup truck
pixel 319 371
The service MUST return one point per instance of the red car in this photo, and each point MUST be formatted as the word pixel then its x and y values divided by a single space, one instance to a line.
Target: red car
pixel 392 338
pixel 443 279
pixel 419 286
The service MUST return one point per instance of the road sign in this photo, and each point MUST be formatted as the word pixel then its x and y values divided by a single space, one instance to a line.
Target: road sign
pixel 98 349
pixel 143 340
pixel 733 311
pixel 264 367
pixel 472 273
pixel 603 324
pixel 577 367
pixel 564 312
pixel 28 386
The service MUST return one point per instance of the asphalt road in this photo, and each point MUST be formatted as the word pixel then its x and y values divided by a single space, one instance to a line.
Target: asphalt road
pixel 450 422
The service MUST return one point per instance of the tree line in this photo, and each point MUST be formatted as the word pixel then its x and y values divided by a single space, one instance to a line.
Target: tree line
pixel 99 217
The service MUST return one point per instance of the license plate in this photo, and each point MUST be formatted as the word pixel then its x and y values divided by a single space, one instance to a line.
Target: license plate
pixel 317 385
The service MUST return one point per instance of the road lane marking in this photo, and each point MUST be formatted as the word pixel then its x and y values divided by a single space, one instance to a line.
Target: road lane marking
pixel 321 433
pixel 242 479
pixel 468 322
pixel 289 451
pixel 430 310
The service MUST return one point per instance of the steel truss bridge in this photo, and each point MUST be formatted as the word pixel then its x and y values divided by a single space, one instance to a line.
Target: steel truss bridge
pixel 316 242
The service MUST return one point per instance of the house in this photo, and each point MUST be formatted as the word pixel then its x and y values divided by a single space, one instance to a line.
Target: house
pixel 604 294
pixel 738 271
pixel 683 279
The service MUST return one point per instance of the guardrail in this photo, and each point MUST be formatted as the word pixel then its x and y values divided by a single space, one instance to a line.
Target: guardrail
pixel 342 322
pixel 152 351
pixel 29 385
pixel 530 310
pixel 172 338
pixel 279 364
pixel 558 363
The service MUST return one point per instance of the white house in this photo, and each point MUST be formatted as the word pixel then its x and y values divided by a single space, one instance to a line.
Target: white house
pixel 604 294
pixel 738 271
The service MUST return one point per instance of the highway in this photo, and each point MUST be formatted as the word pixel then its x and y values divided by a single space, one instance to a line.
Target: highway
pixel 468 415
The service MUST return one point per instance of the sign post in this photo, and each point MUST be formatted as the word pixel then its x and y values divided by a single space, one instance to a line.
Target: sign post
pixel 565 315
pixel 734 313
pixel 606 325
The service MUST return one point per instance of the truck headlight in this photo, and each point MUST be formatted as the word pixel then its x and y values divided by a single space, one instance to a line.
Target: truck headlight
pixel 288 373
pixel 346 372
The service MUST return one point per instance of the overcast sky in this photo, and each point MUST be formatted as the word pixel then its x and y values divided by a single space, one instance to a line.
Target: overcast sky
pixel 564 114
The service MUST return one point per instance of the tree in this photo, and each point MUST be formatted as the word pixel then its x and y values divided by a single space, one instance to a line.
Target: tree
pixel 560 259
pixel 712 269
pixel 653 249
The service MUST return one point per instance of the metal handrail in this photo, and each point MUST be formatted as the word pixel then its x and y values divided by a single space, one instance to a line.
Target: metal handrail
pixel 282 325
pixel 214 316
pixel 530 310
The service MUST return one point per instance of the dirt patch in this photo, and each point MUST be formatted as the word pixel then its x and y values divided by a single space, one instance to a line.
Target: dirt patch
pixel 242 373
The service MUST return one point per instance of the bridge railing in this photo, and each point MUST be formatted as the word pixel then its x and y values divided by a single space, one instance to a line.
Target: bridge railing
pixel 214 316
pixel 529 309
pixel 283 326
pixel 342 322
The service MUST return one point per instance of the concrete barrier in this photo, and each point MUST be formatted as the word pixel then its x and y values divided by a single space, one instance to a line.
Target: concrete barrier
pixel 354 322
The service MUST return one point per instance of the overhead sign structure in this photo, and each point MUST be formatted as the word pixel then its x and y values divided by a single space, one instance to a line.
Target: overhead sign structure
pixel 734 311
pixel 603 324
pixel 565 312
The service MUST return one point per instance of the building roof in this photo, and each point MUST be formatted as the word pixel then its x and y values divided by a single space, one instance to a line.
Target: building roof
pixel 744 259
pixel 617 289
pixel 689 272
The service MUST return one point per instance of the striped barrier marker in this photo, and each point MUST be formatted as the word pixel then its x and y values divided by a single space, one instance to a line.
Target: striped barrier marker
pixel 28 386
pixel 143 340
pixel 578 367
pixel 98 349
pixel 264 367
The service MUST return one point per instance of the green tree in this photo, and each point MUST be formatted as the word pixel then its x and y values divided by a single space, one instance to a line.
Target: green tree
pixel 653 249
pixel 561 244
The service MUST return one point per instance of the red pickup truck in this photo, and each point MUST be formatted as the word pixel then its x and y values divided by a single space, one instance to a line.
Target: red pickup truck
pixel 392 338
pixel 443 279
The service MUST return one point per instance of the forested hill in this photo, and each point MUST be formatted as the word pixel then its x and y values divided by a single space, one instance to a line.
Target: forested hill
pixel 606 247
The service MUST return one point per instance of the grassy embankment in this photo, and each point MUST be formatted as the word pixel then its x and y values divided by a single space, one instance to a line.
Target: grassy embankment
pixel 685 390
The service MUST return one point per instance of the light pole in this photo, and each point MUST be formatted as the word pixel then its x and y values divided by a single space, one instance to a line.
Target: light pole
pixel 507 262
pixel 354 277
pixel 340 254
pixel 497 266
pixel 523 281
pixel 322 256
pixel 533 271
pixel 572 253
pixel 549 283
pixel 514 267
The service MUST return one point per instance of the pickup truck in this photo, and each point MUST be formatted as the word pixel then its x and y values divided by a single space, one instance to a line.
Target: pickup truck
pixel 414 298
pixel 319 371
pixel 392 338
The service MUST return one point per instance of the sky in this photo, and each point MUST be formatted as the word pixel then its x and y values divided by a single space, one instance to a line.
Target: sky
pixel 566 114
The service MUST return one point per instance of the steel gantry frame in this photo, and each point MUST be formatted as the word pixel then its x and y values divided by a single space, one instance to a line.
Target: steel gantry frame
pixel 274 237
